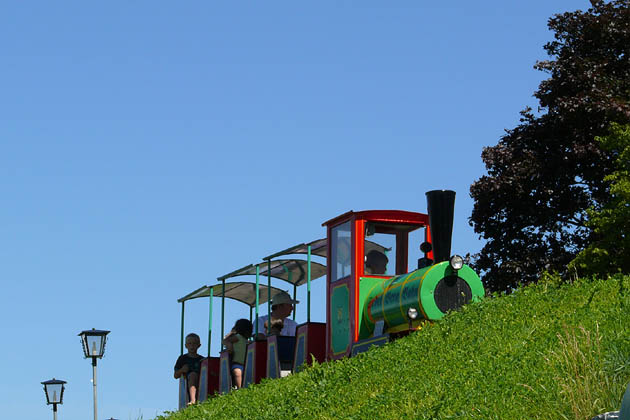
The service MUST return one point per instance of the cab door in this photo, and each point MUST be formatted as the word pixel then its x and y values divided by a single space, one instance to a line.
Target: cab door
pixel 340 290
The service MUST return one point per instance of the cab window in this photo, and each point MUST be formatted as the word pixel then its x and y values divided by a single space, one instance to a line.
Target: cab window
pixel 341 251
pixel 380 254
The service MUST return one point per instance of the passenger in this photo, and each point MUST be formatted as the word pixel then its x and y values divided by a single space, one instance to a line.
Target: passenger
pixel 189 364
pixel 281 308
pixel 375 263
pixel 286 361
pixel 236 343
pixel 276 327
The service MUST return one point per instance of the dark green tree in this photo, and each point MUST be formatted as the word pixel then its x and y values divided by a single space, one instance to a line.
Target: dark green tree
pixel 545 173
pixel 609 253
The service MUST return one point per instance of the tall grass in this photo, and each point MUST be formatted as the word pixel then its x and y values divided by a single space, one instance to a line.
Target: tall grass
pixel 584 382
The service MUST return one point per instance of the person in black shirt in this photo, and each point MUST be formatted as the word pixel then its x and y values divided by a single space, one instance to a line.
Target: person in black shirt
pixel 189 364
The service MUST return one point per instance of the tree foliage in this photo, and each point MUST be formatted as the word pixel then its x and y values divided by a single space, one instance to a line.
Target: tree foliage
pixel 609 253
pixel 544 174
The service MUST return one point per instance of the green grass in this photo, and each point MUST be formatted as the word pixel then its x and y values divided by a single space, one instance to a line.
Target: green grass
pixel 547 351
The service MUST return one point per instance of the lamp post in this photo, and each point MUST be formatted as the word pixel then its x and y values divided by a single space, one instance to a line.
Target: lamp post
pixel 54 393
pixel 93 342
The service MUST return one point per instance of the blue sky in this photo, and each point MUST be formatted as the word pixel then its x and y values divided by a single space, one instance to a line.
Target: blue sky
pixel 148 147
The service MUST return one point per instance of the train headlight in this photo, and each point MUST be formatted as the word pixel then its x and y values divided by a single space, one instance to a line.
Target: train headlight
pixel 456 262
pixel 412 313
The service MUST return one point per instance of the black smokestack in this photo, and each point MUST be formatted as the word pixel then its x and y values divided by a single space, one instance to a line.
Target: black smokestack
pixel 441 207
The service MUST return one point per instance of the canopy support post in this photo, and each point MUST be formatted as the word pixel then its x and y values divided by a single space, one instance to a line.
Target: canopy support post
pixel 210 320
pixel 181 346
pixel 294 296
pixel 269 297
pixel 308 285
pixel 257 296
pixel 222 309
pixel 290 278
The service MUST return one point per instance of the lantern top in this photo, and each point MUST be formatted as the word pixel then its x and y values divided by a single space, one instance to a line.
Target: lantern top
pixel 94 332
pixel 54 381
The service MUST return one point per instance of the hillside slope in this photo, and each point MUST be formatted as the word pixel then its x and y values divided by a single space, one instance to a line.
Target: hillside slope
pixel 544 352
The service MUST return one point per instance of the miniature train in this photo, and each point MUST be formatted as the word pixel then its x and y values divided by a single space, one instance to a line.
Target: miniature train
pixel 367 302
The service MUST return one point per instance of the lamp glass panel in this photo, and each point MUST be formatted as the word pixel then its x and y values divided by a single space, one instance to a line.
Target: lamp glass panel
pixel 94 344
pixel 53 392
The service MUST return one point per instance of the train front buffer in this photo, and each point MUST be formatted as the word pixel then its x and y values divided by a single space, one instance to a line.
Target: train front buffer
pixel 370 292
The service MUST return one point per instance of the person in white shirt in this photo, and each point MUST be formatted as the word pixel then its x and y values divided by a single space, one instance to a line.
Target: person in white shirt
pixel 281 308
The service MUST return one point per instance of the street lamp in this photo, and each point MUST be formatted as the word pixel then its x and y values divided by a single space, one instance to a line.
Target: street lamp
pixel 93 342
pixel 54 393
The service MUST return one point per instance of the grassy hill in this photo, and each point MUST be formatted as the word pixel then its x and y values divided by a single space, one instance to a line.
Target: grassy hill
pixel 547 351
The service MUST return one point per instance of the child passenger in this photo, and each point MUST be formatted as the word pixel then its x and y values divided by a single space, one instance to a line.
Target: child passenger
pixel 236 343
pixel 189 364
pixel 276 326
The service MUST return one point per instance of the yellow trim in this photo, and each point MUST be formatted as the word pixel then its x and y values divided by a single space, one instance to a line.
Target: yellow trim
pixel 203 382
pixel 385 290
pixel 224 364
pixel 410 277
pixel 250 351
pixel 390 287
pixel 420 290
pixel 269 346
pixel 369 340
pixel 417 324
pixel 297 346
pixel 368 306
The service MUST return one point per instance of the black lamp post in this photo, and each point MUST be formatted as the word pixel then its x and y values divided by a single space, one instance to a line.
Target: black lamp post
pixel 54 393
pixel 93 342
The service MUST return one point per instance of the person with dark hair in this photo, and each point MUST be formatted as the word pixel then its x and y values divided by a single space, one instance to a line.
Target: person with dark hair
pixel 236 344
pixel 376 263
pixel 189 366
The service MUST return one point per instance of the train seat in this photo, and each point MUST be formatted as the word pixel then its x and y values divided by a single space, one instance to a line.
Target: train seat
pixel 255 362
pixel 280 350
pixel 310 344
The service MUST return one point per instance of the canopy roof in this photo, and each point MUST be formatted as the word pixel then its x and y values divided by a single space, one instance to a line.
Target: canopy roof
pixel 414 220
pixel 240 272
pixel 291 271
pixel 239 290
pixel 319 247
